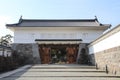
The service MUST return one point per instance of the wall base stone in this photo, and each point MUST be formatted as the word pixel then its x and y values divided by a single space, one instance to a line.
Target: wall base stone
pixel 80 58
pixel 28 51
pixel 92 59
pixel 109 59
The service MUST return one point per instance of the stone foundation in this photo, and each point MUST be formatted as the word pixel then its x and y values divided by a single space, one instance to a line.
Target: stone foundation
pixel 31 54
pixel 83 59
pixel 92 59
pixel 109 59
pixel 28 51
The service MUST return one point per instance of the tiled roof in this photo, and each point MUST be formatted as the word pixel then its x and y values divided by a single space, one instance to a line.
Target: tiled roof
pixel 56 23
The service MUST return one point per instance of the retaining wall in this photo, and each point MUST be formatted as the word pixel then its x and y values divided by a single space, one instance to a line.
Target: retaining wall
pixel 106 50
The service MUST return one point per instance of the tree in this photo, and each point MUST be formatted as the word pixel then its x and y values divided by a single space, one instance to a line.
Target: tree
pixel 6 40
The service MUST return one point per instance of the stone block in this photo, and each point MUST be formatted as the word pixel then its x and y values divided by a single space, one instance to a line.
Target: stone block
pixel 109 57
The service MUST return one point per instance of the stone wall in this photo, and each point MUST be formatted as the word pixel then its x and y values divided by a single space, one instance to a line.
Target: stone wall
pixel 109 59
pixel 92 59
pixel 29 52
pixel 83 59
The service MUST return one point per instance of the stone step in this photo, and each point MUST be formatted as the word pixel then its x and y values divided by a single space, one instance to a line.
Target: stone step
pixel 62 74
pixel 63 67
pixel 64 70
pixel 60 78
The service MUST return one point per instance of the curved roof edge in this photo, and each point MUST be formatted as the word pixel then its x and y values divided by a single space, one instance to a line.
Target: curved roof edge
pixel 56 22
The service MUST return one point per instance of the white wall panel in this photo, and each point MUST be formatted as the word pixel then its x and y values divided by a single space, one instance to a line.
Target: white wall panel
pixel 29 35
pixel 109 42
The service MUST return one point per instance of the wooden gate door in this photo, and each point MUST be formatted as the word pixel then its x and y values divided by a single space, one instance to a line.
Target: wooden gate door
pixel 45 55
pixel 71 55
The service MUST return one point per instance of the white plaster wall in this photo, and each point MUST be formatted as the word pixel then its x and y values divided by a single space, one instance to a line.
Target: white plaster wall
pixel 109 42
pixel 29 35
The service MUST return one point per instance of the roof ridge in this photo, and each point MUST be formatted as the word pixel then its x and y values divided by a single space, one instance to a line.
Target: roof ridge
pixel 60 19
pixel 56 22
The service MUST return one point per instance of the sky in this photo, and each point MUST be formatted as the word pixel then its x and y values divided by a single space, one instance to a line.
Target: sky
pixel 107 11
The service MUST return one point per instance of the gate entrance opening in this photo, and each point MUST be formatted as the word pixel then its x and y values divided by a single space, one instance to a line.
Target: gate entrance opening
pixel 58 53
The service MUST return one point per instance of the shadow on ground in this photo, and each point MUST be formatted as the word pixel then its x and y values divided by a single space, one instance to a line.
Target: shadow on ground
pixel 15 76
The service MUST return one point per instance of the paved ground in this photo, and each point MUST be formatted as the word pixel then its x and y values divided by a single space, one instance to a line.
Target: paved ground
pixel 61 72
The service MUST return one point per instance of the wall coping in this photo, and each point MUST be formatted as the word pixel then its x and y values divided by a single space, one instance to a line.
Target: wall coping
pixel 106 35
